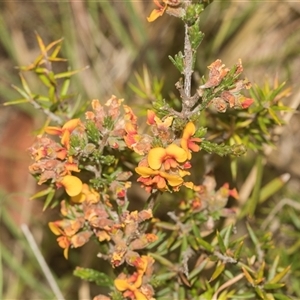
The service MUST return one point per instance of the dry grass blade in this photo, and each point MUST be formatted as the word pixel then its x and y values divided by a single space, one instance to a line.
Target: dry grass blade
pixel 42 262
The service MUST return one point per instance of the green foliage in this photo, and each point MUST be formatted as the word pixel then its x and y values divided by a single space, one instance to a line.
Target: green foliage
pixel 101 279
pixel 192 13
pixel 92 133
pixel 223 149
pixel 255 128
pixel 178 61
pixel 196 36
pixel 54 103
pixel 148 86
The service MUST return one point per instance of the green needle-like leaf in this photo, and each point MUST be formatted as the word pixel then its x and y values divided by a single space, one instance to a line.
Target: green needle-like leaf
pixel 101 279
pixel 221 243
pixel 218 271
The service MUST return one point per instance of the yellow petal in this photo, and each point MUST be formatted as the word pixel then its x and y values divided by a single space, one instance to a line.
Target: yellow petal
pixel 79 198
pixel 156 157
pixel 189 185
pixel 139 295
pixel 66 252
pixel 138 281
pixel 173 180
pixel 189 130
pixel 145 172
pixel 53 130
pixel 54 228
pixel 168 121
pixel 103 236
pixel 96 104
pixel 183 173
pixel 72 185
pixel 121 284
pixel 142 264
pixel 65 139
pixel 156 13
pixel 71 125
pixel 178 153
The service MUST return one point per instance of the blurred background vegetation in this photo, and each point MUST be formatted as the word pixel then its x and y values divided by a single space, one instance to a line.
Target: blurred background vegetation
pixel 114 39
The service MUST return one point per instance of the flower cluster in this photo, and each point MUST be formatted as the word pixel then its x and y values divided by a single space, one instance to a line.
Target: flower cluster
pixel 227 98
pixel 207 197
pixel 114 124
pixel 136 286
pixel 90 211
pixel 166 163
pixel 208 204
pixel 52 160
pixel 128 236
pixel 70 231
pixel 89 215
pixel 83 143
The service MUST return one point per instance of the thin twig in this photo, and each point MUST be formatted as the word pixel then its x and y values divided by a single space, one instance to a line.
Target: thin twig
pixel 151 200
pixel 185 228
pixel 34 247
pixel 186 255
pixel 226 259
pixel 189 102
pixel 46 111
pixel 188 62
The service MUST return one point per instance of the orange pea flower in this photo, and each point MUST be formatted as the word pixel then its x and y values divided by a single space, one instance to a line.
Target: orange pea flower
pixel 131 137
pixel 61 153
pixel 64 132
pixel 160 179
pixel 152 119
pixel 163 5
pixel 169 157
pixel 187 142
pixel 68 233
pixel 246 102
pixel 225 191
pixel 131 285
pixel 87 194
pixel 65 243
pixel 129 114
pixel 39 153
pixel 158 12
pixel 72 185
pixel 70 166
pixel 63 240
pixel 66 227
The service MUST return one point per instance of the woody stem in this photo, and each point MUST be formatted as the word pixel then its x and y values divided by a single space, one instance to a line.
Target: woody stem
pixel 151 200
pixel 188 63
